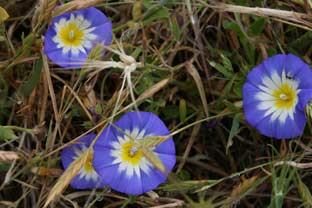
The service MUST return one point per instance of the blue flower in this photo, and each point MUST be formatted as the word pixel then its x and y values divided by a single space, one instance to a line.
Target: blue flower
pixel 87 178
pixel 122 164
pixel 275 95
pixel 72 35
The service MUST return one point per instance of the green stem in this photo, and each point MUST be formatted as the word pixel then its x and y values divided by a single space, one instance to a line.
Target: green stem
pixel 17 128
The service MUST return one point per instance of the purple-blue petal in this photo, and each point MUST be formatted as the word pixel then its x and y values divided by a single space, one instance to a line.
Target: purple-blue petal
pixel 253 115
pixel 168 161
pixel 290 129
pixel 293 65
pixel 143 120
pixel 107 136
pixel 102 158
pixel 305 96
pixel 82 183
pixel 274 64
pixel 91 13
pixel 152 180
pixel 304 76
pixel 256 75
pixel 249 94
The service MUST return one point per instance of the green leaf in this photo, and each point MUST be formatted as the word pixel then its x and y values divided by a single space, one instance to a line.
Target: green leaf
pixel 304 193
pixel 171 112
pixel 182 110
pixel 6 133
pixel 156 13
pixel 26 88
pixel 3 14
pixel 175 29
pixel 257 27
pixel 302 43
pixel 98 109
pixel 226 63
pixel 227 73
pixel 233 132
pixel 4 167
pixel 233 26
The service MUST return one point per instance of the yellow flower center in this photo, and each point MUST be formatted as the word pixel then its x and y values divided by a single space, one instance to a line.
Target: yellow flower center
pixel 88 165
pixel 131 154
pixel 71 35
pixel 285 97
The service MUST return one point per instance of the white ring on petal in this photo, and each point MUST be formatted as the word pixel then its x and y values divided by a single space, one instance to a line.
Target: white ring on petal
pixel 267 101
pixel 125 166
pixel 83 173
pixel 82 25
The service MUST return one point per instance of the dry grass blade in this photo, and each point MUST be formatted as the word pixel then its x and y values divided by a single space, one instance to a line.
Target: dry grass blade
pixel 149 92
pixel 46 8
pixel 75 5
pixel 294 164
pixel 152 141
pixel 43 12
pixel 155 88
pixel 194 73
pixel 67 176
pixel 242 187
pixel 7 156
pixel 189 146
pixel 264 12
pixel 152 158
pixel 50 172
pixel 50 85
pixel 7 204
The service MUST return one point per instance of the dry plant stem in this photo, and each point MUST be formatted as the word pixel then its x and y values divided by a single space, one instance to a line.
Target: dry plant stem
pixel 178 203
pixel 75 5
pixel 154 89
pixel 303 146
pixel 42 13
pixel 189 145
pixel 44 99
pixel 199 84
pixel 9 173
pixel 50 85
pixel 294 164
pixel 87 193
pixel 25 184
pixel 198 43
pixel 297 17
pixel 75 96
pixel 47 75
pixel 7 156
pixel 102 123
